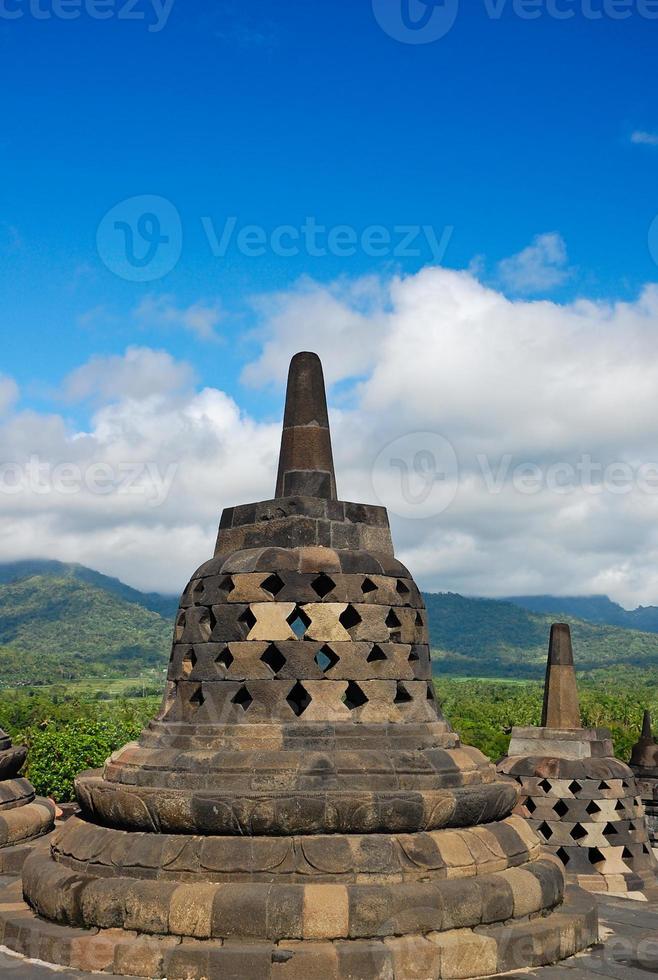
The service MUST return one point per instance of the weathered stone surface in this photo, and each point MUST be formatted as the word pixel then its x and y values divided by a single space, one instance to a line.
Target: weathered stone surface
pixel 299 806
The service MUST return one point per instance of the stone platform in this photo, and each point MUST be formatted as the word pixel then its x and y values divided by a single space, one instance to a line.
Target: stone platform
pixel 629 952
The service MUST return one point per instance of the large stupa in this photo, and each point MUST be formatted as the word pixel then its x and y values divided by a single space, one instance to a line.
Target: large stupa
pixel 299 807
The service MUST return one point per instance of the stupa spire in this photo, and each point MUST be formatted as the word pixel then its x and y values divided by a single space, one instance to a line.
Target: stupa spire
pixel 561 704
pixel 306 465
pixel 647 727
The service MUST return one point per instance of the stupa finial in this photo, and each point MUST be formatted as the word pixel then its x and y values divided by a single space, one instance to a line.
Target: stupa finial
pixel 561 705
pixel 647 726
pixel 306 465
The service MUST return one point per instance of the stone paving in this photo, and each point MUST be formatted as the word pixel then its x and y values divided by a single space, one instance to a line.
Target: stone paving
pixel 630 951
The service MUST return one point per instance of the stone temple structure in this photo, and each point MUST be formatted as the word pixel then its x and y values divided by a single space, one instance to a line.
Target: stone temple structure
pixel 644 763
pixel 24 817
pixel 583 803
pixel 299 807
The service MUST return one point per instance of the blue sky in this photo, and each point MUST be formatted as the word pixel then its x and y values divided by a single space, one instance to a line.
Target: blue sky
pixel 521 149
pixel 504 129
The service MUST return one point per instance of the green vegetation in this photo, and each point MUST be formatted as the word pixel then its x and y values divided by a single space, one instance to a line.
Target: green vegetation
pixel 488 638
pixel 65 629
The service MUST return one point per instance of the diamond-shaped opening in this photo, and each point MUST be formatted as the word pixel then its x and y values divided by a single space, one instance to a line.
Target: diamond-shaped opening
pixel 392 620
pixel 227 585
pixel 225 658
pixel 299 622
pixel 189 662
pixel 243 698
pixel 207 621
pixel 592 808
pixel 323 585
pixel 354 696
pixel 619 806
pixel 603 785
pixel 627 854
pixel 413 656
pixel 402 695
pixel 575 787
pixel 197 698
pixel 578 832
pixel 563 856
pixel 248 618
pixel 530 805
pixel 545 830
pixel 561 808
pixel 595 856
pixel 272 584
pixel 349 618
pixel 325 658
pixel 299 699
pixel 368 586
pixel 376 654
pixel 610 830
pixel 274 658
pixel 401 588
pixel 545 785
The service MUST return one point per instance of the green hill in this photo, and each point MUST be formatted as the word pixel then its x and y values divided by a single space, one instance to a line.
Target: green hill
pixel 66 623
pixel 55 629
pixel 490 638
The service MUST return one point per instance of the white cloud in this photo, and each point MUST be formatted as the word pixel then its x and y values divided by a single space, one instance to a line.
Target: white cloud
pixel 8 393
pixel 139 373
pixel 642 138
pixel 506 382
pixel 538 268
pixel 201 319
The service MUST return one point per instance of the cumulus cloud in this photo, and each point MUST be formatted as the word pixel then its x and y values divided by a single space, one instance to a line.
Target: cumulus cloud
pixel 202 319
pixel 139 373
pixel 539 267
pixel 642 138
pixel 549 409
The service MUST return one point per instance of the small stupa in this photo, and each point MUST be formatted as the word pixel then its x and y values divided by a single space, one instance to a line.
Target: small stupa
pixel 299 807
pixel 24 816
pixel 583 803
pixel 644 763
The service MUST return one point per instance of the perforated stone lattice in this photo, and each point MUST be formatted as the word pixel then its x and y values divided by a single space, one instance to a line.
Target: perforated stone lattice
pixel 594 826
pixel 243 648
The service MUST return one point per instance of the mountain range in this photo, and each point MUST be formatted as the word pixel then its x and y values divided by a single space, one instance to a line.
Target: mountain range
pixel 65 622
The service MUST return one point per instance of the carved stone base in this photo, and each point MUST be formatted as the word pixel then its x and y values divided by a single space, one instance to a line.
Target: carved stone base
pixel 457 953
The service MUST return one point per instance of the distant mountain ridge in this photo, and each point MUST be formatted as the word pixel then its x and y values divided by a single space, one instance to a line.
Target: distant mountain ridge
pixel 65 622
pixel 593 609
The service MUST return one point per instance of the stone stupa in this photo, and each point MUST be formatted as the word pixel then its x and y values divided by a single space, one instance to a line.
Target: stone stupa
pixel 644 763
pixel 583 803
pixel 299 807
pixel 24 816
